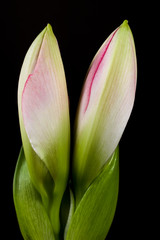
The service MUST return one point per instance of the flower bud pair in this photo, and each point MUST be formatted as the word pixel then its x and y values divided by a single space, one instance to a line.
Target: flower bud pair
pixel 105 106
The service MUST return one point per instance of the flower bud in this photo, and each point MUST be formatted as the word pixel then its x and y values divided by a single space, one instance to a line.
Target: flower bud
pixel 105 106
pixel 44 116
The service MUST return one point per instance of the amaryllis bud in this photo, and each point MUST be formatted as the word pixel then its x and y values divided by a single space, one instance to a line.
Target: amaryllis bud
pixel 106 103
pixel 44 118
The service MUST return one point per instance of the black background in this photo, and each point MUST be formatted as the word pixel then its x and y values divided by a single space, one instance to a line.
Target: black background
pixel 80 27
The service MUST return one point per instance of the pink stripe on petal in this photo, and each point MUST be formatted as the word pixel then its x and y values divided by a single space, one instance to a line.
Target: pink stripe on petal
pixel 98 63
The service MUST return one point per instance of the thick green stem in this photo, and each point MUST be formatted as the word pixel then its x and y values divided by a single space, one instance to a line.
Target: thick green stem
pixel 55 210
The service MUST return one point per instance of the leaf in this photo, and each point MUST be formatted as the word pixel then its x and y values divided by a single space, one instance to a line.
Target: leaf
pixel 94 214
pixel 71 212
pixel 32 217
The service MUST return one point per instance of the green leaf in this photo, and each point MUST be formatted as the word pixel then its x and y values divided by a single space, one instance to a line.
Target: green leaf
pixel 71 212
pixel 94 214
pixel 32 217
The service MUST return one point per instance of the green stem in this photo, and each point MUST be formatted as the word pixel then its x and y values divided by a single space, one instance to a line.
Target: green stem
pixel 55 210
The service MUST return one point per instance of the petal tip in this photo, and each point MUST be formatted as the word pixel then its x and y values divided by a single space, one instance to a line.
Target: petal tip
pixel 125 27
pixel 125 23
pixel 49 27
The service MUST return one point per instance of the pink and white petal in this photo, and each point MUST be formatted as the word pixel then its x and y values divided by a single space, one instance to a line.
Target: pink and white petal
pixel 109 91
pixel 119 99
pixel 94 76
pixel 45 107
